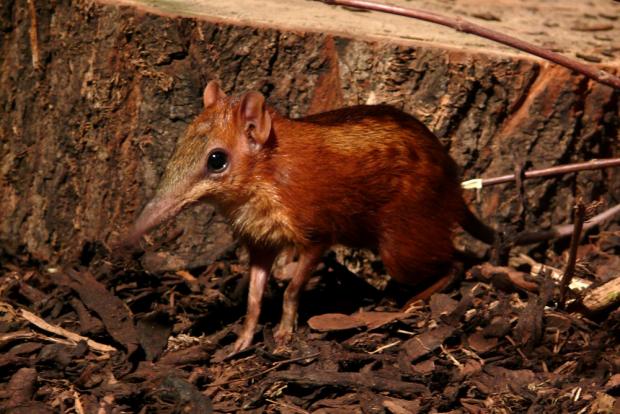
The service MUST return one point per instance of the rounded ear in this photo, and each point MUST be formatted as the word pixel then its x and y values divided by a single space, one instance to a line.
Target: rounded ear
pixel 255 119
pixel 212 94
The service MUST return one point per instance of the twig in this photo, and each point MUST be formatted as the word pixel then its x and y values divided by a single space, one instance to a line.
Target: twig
pixel 465 26
pixel 384 347
pixel 512 341
pixel 519 180
pixel 478 183
pixel 34 37
pixel 577 284
pixel 77 403
pixel 580 215
pixel 20 335
pixel 35 320
pixel 450 356
pixel 187 276
pixel 356 380
pixel 265 371
pixel 563 230
pixel 289 406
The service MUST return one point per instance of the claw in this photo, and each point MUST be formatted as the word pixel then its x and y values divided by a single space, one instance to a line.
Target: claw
pixel 242 343
pixel 283 335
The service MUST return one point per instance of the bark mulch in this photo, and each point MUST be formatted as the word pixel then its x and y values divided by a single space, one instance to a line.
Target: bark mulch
pixel 104 337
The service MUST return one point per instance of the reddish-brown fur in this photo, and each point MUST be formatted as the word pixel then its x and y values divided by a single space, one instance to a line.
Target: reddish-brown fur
pixel 365 176
pixel 373 177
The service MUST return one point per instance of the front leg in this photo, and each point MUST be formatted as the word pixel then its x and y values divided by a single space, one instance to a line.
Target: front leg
pixel 308 259
pixel 260 267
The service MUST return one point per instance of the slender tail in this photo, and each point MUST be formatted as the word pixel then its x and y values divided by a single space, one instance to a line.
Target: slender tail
pixel 484 233
pixel 477 228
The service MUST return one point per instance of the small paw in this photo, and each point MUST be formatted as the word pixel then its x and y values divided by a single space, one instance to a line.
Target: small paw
pixel 283 338
pixel 283 335
pixel 242 343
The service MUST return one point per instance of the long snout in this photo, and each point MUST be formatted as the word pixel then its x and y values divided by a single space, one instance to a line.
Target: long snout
pixel 156 212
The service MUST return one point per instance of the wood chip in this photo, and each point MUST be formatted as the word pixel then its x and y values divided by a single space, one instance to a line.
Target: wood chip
pixel 604 296
pixel 40 323
pixel 337 321
pixel 427 342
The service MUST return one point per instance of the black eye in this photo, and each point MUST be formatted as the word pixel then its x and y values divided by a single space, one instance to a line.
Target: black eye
pixel 217 161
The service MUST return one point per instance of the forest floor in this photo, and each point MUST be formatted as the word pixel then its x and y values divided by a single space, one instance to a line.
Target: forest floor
pixel 156 343
pixel 106 336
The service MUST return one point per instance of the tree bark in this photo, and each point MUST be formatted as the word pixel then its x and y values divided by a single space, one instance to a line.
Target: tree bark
pixel 92 108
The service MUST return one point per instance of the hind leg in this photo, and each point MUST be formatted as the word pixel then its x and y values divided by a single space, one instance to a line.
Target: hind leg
pixel 416 259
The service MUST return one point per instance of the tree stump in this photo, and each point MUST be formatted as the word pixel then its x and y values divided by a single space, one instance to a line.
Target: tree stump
pixel 94 96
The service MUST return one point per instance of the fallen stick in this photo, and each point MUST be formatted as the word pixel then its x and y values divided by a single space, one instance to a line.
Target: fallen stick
pixel 28 335
pixel 594 300
pixel 577 284
pixel 40 323
pixel 77 403
pixel 603 297
pixel 580 216
pixel 353 380
pixel 275 366
pixel 464 26
pixel 563 230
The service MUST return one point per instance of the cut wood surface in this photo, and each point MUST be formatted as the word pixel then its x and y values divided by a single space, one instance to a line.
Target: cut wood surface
pixel 95 95
pixel 586 30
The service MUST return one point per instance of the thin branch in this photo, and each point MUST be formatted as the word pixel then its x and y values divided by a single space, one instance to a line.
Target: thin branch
pixel 35 320
pixel 276 365
pixel 465 26
pixel 520 184
pixel 564 230
pixel 537 269
pixel 478 183
pixel 580 215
